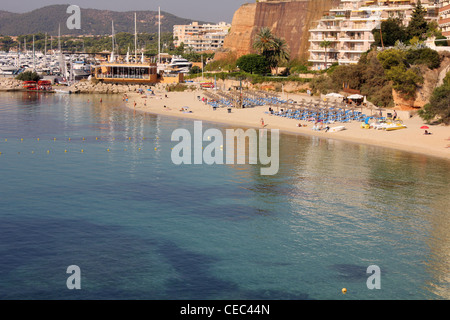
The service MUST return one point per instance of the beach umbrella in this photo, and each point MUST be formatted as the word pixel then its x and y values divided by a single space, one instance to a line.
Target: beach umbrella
pixel 424 127
pixel 355 96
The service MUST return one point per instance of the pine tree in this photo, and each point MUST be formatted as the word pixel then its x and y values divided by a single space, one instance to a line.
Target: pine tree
pixel 418 26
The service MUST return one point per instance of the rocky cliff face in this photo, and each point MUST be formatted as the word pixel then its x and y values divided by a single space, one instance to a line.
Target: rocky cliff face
pixel 432 80
pixel 290 20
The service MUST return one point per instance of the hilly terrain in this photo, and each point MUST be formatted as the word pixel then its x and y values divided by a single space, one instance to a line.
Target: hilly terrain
pixel 93 21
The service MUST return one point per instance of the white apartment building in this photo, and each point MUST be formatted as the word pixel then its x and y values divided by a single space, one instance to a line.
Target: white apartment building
pixel 348 28
pixel 205 37
pixel 444 18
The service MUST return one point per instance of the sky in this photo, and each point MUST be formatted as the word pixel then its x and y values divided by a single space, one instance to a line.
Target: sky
pixel 204 10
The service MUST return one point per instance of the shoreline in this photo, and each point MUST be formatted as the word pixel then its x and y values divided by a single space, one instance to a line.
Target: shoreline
pixel 410 139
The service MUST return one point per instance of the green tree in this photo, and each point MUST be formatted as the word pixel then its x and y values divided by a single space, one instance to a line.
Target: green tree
pixel 325 44
pixel 405 80
pixel 264 41
pixel 324 84
pixel 274 49
pixel 439 106
pixel 6 43
pixel 392 58
pixel 28 76
pixel 374 84
pixel 391 30
pixel 180 49
pixel 425 56
pixel 397 69
pixel 280 53
pixel 253 63
pixel 195 70
pixel 418 26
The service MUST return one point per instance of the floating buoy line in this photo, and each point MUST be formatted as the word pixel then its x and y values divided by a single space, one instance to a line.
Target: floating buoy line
pixel 74 140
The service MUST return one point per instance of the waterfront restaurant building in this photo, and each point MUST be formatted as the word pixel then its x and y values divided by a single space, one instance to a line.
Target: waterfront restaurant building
pixel 127 73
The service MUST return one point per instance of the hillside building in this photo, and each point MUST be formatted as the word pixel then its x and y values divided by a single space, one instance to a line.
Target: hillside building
pixel 205 37
pixel 348 28
pixel 444 18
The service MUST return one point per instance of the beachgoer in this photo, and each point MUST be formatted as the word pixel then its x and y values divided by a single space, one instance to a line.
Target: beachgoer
pixel 327 128
pixel 395 115
pixel 101 100
pixel 262 122
pixel 426 132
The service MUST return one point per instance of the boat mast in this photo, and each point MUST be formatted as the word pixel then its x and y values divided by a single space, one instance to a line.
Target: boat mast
pixel 34 60
pixel 112 53
pixel 159 34
pixel 135 38
pixel 62 62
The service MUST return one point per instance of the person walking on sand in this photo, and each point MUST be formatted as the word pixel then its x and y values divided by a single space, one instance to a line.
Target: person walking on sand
pixel 262 122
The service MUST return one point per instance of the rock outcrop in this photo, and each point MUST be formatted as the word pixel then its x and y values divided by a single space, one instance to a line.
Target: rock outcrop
pixel 290 20
pixel 432 79
pixel 7 84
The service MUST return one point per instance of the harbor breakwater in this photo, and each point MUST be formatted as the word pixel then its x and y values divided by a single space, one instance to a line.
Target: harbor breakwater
pixel 86 86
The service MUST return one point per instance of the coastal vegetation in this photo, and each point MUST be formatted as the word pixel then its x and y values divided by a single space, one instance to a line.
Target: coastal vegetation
pixel 28 76
pixel 418 29
pixel 438 109
pixel 377 73
pixel 274 49
pixel 253 63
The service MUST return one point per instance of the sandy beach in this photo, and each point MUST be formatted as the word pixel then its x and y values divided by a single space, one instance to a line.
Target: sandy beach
pixel 411 139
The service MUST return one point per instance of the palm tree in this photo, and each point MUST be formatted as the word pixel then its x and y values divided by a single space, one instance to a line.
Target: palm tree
pixel 274 49
pixel 280 52
pixel 264 41
pixel 325 44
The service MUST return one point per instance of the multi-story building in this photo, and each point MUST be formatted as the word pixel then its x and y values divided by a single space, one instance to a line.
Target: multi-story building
pixel 205 37
pixel 347 29
pixel 444 18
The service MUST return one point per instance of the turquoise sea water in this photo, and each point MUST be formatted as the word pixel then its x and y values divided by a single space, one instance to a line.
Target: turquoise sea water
pixel 140 227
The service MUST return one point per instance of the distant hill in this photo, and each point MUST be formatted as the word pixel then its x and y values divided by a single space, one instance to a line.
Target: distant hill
pixel 93 21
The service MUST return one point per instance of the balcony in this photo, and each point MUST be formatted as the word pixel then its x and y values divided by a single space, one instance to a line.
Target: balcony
pixel 356 49
pixel 320 49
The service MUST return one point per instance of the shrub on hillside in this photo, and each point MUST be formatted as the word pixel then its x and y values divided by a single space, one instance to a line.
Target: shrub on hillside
pixel 425 56
pixel 28 76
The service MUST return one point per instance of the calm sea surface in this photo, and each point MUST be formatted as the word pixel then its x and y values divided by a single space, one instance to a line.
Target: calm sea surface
pixel 93 185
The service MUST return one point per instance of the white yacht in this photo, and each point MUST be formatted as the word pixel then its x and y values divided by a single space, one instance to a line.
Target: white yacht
pixel 179 65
